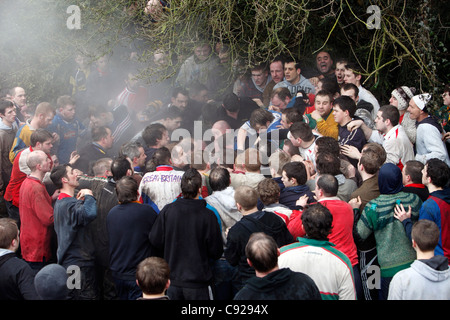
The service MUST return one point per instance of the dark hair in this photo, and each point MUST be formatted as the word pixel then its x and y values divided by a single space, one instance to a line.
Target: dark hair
pixel 262 251
pixel 330 85
pixel 219 179
pixel 152 275
pixel 152 133
pixel 160 156
pixel 413 168
pixel 325 93
pixel 346 103
pixel 290 59
pixel 120 167
pixel 260 117
pixel 127 190
pixel 8 232
pixel 269 191
pixel 293 115
pixel 296 170
pixel 98 133
pixel 40 135
pixel 327 162
pixel 191 182
pixel 231 102
pixel 378 148
pixel 317 221
pixel 57 174
pixel 301 130
pixel 391 113
pixel 5 104
pixel 350 86
pixel 371 161
pixel 426 234
pixel 179 90
pixel 328 144
pixel 438 171
pixel 329 184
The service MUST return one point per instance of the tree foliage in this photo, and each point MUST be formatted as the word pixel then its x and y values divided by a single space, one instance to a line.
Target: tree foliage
pixel 409 47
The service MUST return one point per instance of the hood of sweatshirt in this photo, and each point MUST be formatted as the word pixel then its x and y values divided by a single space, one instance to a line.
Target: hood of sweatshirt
pixel 434 269
pixel 5 127
pixel 442 194
pixel 273 280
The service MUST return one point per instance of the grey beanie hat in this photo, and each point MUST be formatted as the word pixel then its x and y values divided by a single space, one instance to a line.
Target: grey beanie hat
pixel 51 283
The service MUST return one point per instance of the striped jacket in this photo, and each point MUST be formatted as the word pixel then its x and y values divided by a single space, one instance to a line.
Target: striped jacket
pixel 330 269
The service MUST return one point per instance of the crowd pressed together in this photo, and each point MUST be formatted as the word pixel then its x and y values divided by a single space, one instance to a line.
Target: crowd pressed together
pixel 283 182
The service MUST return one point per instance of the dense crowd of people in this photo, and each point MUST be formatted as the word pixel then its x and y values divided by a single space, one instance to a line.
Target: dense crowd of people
pixel 282 182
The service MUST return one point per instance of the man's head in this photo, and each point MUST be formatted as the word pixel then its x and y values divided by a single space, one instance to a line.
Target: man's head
pixel 41 139
pixel 436 172
pixel 352 74
pixel 400 97
pixel 324 63
pixel 260 75
pixel 199 92
pixel 412 172
pixel 418 106
pixel 38 161
pixel 387 117
pixel 121 167
pixel 153 275
pixel 280 98
pixel 350 90
pixel 344 109
pixel 99 116
pixel 171 118
pixel 317 221
pixel 64 176
pixel 292 70
pixel 269 191
pixel 7 112
pixel 155 135
pixel 300 132
pixel 135 152
pixel 446 95
pixel 425 235
pixel 246 198
pixel 127 190
pixel 327 162
pixel 294 174
pixel 191 183
pixel 18 96
pixel 231 102
pixel 262 252
pixel 180 98
pixel 277 70
pixel 43 115
pixel 326 186
pixel 102 167
pixel 323 103
pixel 340 70
pixel 202 52
pixel 260 119
pixel 290 116
pixel 277 160
pixel 369 162
pixel 102 136
pixel 9 234
pixel 219 179
pixel 66 107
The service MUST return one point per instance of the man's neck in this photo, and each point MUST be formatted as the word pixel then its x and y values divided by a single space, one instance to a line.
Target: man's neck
pixel 431 188
pixel 263 274
pixel 422 117
pixel 365 176
pixel 68 190
pixel 424 255
pixel 7 123
pixel 38 175
pixel 307 144
pixel 247 212
pixel 152 296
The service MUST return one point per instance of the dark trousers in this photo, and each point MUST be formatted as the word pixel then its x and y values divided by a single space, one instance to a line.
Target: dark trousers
pixel 180 293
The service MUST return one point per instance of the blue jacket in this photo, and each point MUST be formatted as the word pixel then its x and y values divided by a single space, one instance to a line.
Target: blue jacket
pixel 290 195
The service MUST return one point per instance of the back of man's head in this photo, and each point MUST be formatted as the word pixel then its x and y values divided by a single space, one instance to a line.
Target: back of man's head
pixel 231 102
pixel 262 251
pixel 191 182
pixel 127 190
pixel 390 113
pixel 8 232
pixel 413 169
pixel 219 179
pixel 328 184
pixel 317 221
pixel 40 135
pixel 370 160
pixel 297 170
pixel 269 191
pixel 120 167
pixel 425 233
pixel 438 171
pixel 246 196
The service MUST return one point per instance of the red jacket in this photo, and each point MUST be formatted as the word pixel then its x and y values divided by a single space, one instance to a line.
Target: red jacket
pixel 36 218
pixel 342 227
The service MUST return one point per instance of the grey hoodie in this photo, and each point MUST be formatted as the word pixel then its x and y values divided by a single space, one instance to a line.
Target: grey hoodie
pixel 424 280
pixel 223 201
